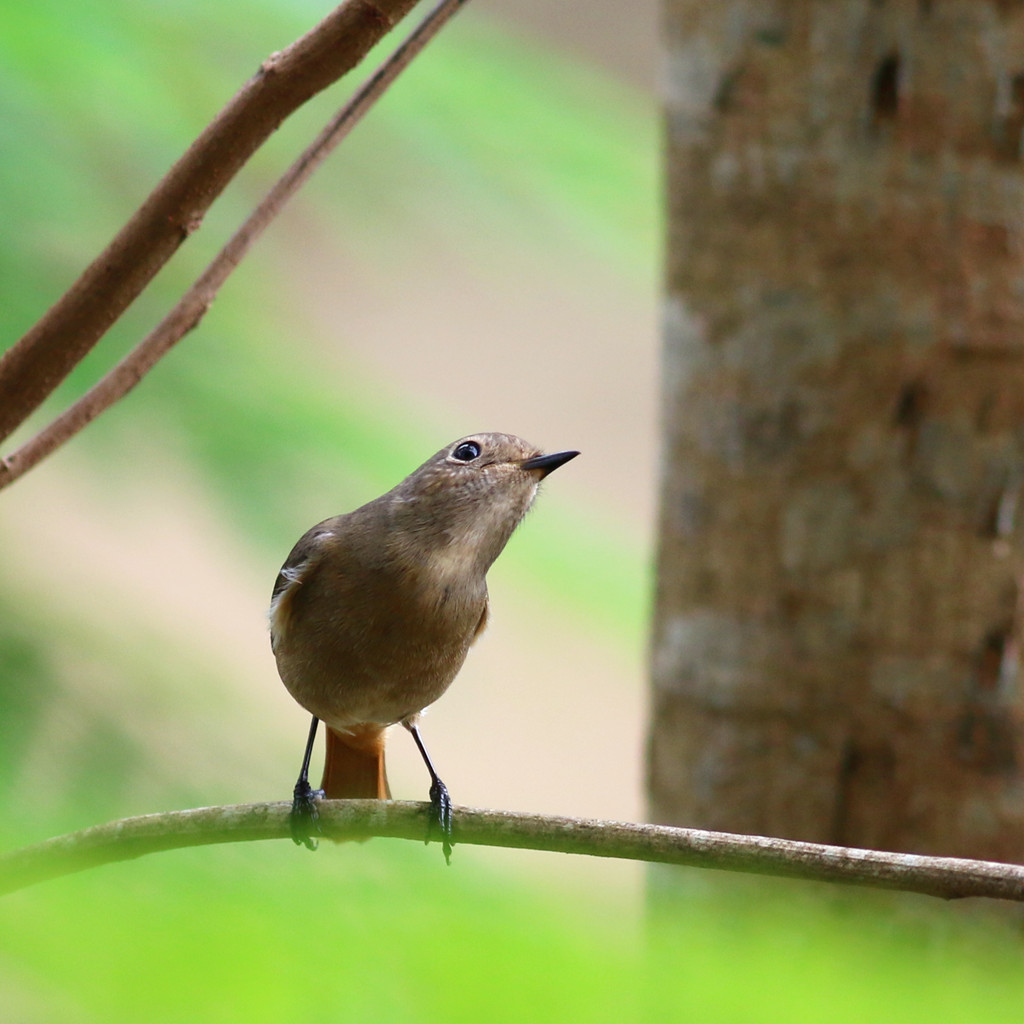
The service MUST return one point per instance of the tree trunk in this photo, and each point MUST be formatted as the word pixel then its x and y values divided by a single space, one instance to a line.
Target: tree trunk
pixel 837 619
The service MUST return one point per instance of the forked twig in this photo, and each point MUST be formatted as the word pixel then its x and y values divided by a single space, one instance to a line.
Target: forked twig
pixel 37 363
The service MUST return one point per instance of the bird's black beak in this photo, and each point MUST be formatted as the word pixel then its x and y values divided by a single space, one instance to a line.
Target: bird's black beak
pixel 548 463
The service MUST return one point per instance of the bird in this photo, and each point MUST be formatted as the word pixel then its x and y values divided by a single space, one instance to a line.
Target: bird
pixel 374 611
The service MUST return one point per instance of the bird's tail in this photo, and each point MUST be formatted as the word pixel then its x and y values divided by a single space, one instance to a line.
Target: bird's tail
pixel 354 766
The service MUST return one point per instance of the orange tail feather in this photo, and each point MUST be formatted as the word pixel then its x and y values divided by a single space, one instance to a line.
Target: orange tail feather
pixel 354 766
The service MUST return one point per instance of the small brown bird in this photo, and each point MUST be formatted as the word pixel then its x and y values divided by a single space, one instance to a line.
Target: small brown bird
pixel 374 611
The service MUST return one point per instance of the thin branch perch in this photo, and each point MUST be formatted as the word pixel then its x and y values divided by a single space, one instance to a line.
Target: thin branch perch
pixel 193 305
pixel 35 365
pixel 945 877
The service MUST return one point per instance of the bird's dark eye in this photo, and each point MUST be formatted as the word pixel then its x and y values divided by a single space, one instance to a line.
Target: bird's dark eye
pixel 466 452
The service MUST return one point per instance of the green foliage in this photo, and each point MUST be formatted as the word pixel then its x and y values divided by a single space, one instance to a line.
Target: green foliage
pixel 383 931
pixel 564 149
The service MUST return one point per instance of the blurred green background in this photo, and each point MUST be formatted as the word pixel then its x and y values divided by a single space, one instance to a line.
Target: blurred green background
pixel 482 254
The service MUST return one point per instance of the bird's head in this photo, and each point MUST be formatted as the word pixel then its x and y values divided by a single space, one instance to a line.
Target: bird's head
pixel 467 499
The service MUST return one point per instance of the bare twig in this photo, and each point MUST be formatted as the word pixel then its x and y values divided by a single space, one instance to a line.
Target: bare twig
pixel 945 877
pixel 192 307
pixel 33 367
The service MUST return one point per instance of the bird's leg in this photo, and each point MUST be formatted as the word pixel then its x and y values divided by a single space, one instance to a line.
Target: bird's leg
pixel 440 801
pixel 305 819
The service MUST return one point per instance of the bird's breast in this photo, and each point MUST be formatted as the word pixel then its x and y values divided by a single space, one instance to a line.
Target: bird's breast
pixel 380 644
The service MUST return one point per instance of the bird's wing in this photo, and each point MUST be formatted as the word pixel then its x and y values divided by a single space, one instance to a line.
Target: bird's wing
pixel 304 558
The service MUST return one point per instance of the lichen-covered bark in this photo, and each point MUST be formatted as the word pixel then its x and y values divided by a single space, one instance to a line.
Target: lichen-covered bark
pixel 837 620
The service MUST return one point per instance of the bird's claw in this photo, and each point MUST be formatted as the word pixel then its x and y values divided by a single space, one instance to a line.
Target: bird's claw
pixel 304 820
pixel 441 817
